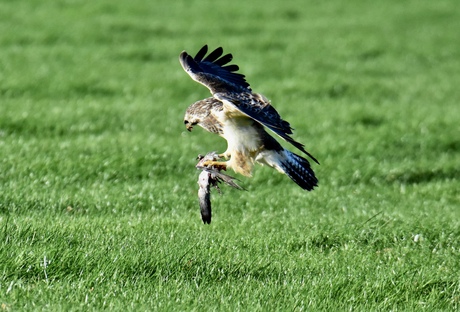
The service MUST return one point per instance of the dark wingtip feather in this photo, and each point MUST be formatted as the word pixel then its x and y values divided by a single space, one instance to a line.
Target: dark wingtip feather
pixel 232 68
pixel 199 56
pixel 209 70
pixel 301 147
pixel 309 155
pixel 224 59
pixel 214 55
pixel 285 135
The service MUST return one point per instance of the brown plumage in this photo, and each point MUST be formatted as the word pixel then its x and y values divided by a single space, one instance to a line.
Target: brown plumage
pixel 239 115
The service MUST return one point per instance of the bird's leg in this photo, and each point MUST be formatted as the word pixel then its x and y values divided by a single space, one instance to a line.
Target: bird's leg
pixel 219 165
pixel 210 160
pixel 225 154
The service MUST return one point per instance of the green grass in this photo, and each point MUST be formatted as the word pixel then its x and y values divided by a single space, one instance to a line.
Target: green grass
pixel 98 205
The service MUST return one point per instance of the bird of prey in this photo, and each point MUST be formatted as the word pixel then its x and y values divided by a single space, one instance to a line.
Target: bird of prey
pixel 240 116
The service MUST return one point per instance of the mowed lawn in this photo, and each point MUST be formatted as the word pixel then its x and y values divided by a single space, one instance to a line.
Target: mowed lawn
pixel 98 193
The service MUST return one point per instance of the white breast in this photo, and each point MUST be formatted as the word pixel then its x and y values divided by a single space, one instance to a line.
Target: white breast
pixel 240 133
pixel 241 136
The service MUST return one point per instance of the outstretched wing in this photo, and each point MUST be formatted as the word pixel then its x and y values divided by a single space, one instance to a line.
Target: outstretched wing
pixel 211 72
pixel 232 89
pixel 258 108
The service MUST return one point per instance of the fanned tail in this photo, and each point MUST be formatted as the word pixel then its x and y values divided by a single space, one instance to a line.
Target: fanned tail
pixel 298 169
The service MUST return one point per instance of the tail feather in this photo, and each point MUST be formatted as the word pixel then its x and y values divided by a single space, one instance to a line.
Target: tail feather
pixel 298 169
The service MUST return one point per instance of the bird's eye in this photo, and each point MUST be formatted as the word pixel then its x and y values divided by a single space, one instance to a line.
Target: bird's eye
pixel 185 122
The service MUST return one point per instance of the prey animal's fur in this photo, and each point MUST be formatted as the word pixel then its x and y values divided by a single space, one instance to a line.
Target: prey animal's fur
pixel 208 177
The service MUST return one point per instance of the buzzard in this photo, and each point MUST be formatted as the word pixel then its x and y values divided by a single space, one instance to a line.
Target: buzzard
pixel 240 116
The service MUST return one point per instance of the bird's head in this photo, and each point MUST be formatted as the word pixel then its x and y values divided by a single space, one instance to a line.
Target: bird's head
pixel 190 121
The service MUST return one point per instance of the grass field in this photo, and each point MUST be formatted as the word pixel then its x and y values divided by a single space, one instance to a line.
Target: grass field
pixel 98 205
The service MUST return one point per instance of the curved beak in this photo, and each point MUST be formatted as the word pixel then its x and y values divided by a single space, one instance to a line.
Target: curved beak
pixel 189 126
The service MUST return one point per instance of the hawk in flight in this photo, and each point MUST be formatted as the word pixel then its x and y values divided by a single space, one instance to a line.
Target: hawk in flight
pixel 240 116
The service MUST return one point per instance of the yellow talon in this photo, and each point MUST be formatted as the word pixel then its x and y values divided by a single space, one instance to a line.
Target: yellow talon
pixel 224 155
pixel 219 165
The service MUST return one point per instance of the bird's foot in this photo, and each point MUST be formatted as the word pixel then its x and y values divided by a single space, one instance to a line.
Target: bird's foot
pixel 224 155
pixel 218 165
